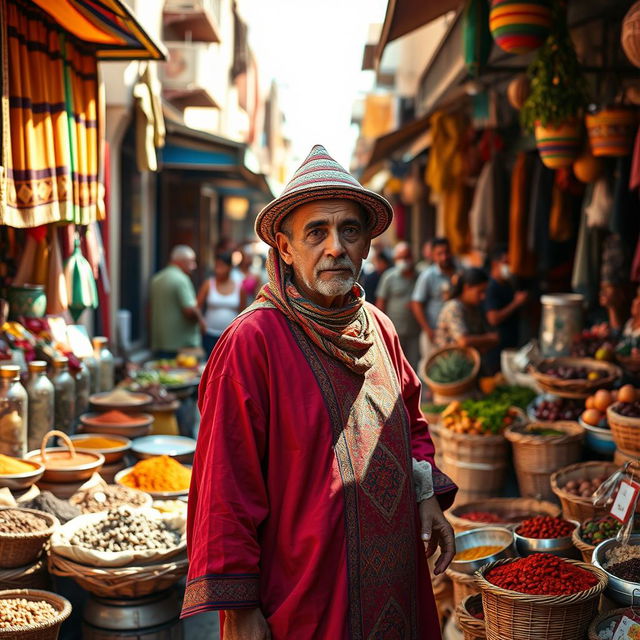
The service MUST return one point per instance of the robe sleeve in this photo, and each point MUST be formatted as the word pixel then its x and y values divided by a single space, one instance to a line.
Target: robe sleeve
pixel 421 444
pixel 227 500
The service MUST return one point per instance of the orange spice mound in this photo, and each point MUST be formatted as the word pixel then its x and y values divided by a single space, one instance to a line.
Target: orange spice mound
pixel 161 473
pixel 118 417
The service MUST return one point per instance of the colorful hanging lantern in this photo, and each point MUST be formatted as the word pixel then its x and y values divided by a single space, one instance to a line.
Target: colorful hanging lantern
pixel 477 41
pixel 630 36
pixel 520 27
pixel 558 145
pixel 587 168
pixel 81 285
pixel 518 90
pixel 612 131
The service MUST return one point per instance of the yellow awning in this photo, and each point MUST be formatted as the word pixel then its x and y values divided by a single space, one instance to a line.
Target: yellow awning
pixel 107 24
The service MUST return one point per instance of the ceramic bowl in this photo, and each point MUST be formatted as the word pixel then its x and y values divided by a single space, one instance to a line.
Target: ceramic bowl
pixel 178 447
pixel 17 481
pixel 135 430
pixel 69 474
pixel 156 495
pixel 111 455
pixel 136 401
pixel 598 439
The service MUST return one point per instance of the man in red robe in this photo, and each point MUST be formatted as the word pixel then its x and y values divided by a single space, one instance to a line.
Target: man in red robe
pixel 314 488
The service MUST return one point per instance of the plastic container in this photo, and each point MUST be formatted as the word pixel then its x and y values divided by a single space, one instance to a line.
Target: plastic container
pixel 13 412
pixel 41 393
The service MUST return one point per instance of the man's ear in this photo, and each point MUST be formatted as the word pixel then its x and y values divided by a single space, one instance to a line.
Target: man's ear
pixel 366 250
pixel 284 247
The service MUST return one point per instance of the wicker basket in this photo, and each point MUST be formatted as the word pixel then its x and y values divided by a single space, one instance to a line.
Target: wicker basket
pixel 31 576
pixel 472 628
pixel 19 549
pixel 45 630
pixel 463 585
pixel 620 458
pixel 469 448
pixel 583 547
pixel 575 507
pixel 575 388
pixel 625 432
pixel 452 389
pixel 596 623
pixel 510 615
pixel 537 457
pixel 512 508
pixel 121 582
pixel 630 364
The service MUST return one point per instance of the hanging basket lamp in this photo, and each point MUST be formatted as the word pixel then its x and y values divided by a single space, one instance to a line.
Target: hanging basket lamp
pixel 518 90
pixel 612 131
pixel 559 145
pixel 520 27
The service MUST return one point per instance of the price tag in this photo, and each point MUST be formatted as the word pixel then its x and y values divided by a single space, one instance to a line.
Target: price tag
pixel 625 500
pixel 628 628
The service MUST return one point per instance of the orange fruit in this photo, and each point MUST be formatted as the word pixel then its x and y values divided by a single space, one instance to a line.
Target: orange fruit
pixel 589 404
pixel 602 400
pixel 627 393
pixel 592 417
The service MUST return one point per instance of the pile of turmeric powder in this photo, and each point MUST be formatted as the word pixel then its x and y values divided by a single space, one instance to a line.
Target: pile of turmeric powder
pixel 161 473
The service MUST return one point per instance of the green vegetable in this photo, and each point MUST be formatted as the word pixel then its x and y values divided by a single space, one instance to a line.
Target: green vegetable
pixel 451 366
pixel 545 432
pixel 494 409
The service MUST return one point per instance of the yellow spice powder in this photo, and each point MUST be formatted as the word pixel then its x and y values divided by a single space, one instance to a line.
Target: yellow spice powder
pixel 474 553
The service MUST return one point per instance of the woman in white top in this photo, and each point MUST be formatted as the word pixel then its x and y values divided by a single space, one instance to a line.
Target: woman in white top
pixel 222 299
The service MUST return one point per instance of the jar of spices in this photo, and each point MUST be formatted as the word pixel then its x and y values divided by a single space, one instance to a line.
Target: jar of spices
pixel 65 395
pixel 13 412
pixel 83 389
pixel 41 393
pixel 94 373
pixel 106 364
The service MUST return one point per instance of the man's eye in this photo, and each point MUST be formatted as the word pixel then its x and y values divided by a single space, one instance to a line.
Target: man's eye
pixel 351 230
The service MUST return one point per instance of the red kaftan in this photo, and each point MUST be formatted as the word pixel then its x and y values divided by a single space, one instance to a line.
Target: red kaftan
pixel 302 500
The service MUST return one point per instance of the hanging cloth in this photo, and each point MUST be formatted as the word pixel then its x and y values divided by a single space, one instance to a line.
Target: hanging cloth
pixel 150 128
pixel 521 258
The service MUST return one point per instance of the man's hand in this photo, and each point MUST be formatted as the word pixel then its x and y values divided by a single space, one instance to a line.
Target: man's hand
pixel 437 532
pixel 245 624
pixel 520 298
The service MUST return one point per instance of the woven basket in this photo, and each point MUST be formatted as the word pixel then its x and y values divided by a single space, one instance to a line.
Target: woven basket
pixel 585 548
pixel 463 585
pixel 625 431
pixel 537 457
pixel 512 508
pixel 575 507
pixel 510 615
pixel 574 388
pixel 597 622
pixel 464 447
pixel 121 582
pixel 472 628
pixel 452 389
pixel 31 576
pixel 45 630
pixel 620 458
pixel 19 549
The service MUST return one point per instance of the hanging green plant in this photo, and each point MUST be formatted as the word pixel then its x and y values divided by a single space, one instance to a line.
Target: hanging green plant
pixel 558 86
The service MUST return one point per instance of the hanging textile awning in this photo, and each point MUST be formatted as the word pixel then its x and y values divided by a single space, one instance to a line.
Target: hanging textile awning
pixel 108 25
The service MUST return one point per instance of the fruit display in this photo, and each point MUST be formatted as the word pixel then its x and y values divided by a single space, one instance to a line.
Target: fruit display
pixel 569 372
pixel 545 528
pixel 584 488
pixel 595 342
pixel 555 409
pixel 451 366
pixel 478 417
pixel 628 410
pixel 596 530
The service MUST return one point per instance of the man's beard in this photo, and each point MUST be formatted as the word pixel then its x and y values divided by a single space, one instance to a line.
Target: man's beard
pixel 339 285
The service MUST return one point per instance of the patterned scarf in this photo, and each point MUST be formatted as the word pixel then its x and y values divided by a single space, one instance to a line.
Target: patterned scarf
pixel 345 334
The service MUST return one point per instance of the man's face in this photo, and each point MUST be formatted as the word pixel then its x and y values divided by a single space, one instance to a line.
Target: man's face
pixel 325 244
pixel 442 255
pixel 188 264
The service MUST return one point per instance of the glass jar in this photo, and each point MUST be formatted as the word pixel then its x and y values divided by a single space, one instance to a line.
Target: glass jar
pixel 14 408
pixel 41 393
pixel 65 395
pixel 83 389
pixel 106 364
pixel 94 373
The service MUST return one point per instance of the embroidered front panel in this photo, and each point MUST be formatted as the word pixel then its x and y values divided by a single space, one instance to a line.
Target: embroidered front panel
pixel 221 592
pixel 373 458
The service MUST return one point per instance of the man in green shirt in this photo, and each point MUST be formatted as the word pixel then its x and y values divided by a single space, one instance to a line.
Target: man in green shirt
pixel 176 321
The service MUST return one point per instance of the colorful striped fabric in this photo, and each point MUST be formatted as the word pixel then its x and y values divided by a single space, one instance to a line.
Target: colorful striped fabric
pixel 320 177
pixel 558 146
pixel 520 27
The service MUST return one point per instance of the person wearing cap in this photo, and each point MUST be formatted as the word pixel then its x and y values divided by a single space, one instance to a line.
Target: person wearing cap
pixel 315 499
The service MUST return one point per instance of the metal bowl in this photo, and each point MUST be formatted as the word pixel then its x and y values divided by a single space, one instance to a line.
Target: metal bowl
pixel 487 536
pixel 156 495
pixel 561 547
pixel 25 479
pixel 180 448
pixel 69 474
pixel 111 455
pixel 619 590
pixel 598 439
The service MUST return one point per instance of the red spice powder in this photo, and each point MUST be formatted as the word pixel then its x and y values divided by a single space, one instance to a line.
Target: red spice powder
pixel 118 417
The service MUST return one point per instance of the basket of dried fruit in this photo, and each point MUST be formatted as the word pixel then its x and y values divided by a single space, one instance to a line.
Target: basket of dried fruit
pixel 624 422
pixel 574 377
pixel 539 449
pixel 592 532
pixel 471 618
pixel 498 512
pixel 30 614
pixel 574 485
pixel 452 371
pixel 24 534
pixel 540 596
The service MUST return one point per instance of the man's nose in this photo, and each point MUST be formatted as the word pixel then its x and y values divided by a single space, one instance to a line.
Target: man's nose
pixel 333 246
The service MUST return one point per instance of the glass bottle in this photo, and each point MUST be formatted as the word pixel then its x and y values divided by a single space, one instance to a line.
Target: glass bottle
pixel 65 395
pixel 13 412
pixel 41 393
pixel 106 364
pixel 94 373
pixel 83 389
